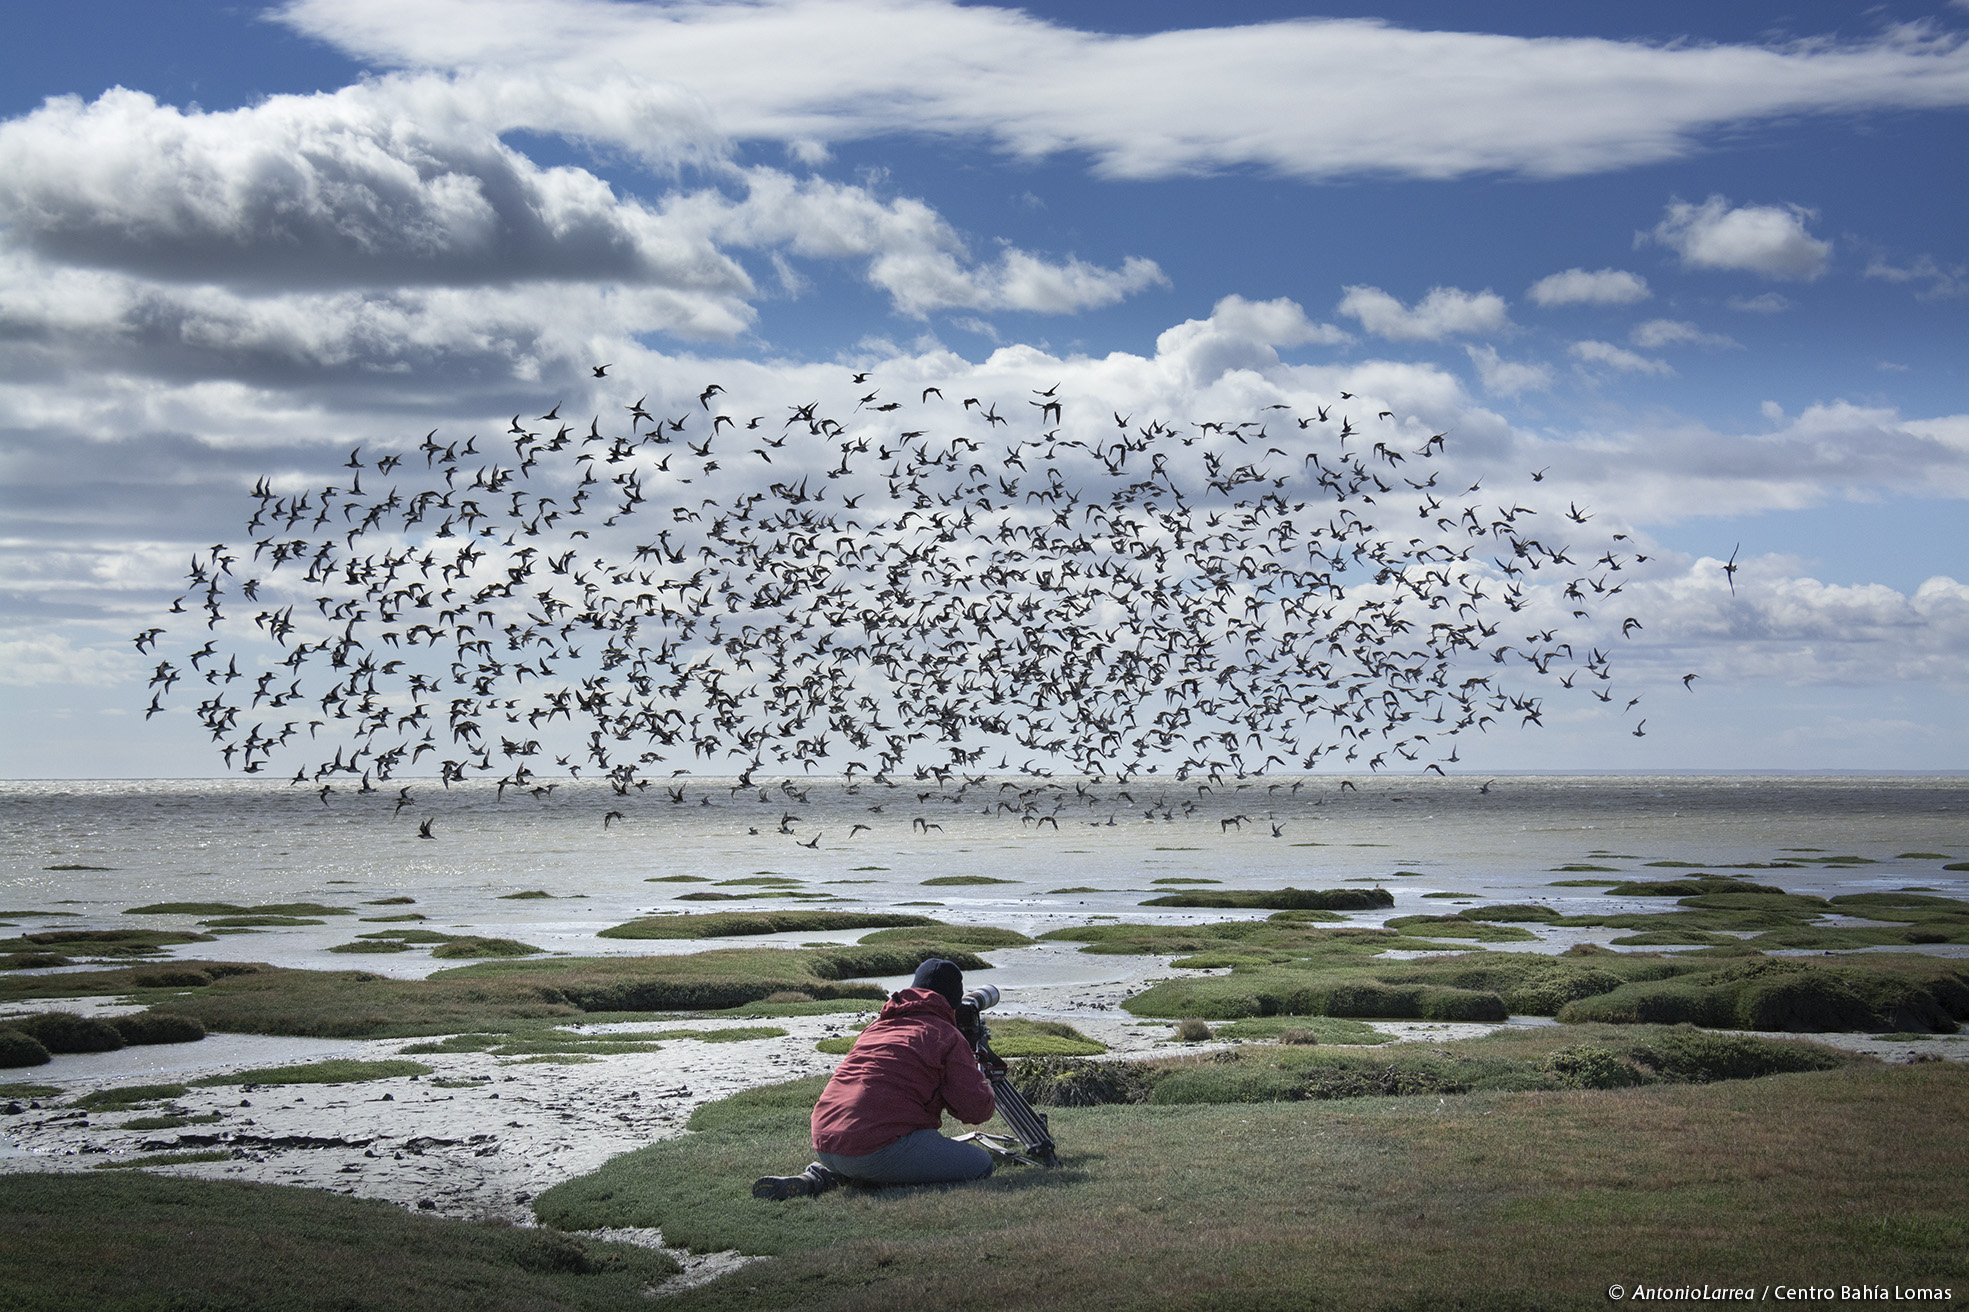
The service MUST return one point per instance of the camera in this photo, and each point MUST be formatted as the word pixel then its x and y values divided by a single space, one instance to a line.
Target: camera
pixel 968 1020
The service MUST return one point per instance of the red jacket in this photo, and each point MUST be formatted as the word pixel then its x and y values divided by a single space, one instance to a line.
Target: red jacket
pixel 901 1075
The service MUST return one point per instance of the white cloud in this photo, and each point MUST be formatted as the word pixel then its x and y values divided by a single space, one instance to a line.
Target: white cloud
pixel 1777 626
pixel 1615 357
pixel 403 183
pixel 1944 282
pixel 398 182
pixel 1578 287
pixel 1762 303
pixel 47 659
pixel 1764 239
pixel 1655 472
pixel 1657 333
pixel 1315 98
pixel 1443 312
pixel 1508 377
pixel 1241 334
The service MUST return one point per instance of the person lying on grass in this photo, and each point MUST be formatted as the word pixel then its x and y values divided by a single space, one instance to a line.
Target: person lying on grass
pixel 876 1121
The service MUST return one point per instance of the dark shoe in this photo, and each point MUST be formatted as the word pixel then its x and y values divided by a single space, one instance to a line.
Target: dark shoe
pixel 779 1188
pixel 816 1179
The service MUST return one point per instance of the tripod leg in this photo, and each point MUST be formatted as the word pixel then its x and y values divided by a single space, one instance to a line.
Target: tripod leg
pixel 1028 1124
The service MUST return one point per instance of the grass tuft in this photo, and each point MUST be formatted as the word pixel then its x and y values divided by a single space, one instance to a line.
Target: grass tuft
pixel 336 1070
pixel 128 1096
pixel 720 924
pixel 1282 899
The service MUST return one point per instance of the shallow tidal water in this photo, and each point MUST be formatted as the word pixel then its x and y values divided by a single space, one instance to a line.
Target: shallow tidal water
pixel 127 844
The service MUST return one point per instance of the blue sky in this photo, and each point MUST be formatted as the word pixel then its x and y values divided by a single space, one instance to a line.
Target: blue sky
pixel 1761 343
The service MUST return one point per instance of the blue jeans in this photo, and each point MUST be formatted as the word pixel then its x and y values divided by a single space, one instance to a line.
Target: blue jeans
pixel 921 1157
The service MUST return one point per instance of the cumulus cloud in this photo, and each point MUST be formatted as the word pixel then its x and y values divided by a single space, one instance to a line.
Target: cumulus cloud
pixel 1770 240
pixel 1578 287
pixel 1317 98
pixel 1778 626
pixel 351 188
pixel 1508 377
pixel 403 183
pixel 1619 358
pixel 1657 333
pixel 1242 334
pixel 1443 312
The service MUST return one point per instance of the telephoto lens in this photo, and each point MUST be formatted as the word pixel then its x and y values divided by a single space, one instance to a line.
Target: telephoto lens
pixel 983 996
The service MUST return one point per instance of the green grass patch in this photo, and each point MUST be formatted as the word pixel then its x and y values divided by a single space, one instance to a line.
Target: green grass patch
pixel 1453 895
pixel 471 946
pixel 1458 927
pixel 1270 990
pixel 529 1040
pixel 394 920
pixel 258 922
pixel 1877 992
pixel 170 1122
pixel 1056 892
pixel 164 1159
pixel 33 960
pixel 371 945
pixel 956 881
pixel 526 895
pixel 1282 899
pixel 1184 879
pixel 17 1089
pixel 1923 856
pixel 554 1059
pixel 391 902
pixel 336 1070
pixel 231 909
pixel 1584 869
pixel 775 881
pixel 1512 912
pixel 1699 886
pixel 154 1242
pixel 63 1031
pixel 720 924
pixel 127 1096
pixel 1416 1202
pixel 1326 1029
pixel 261 999
pixel 981 937
pixel 678 879
pixel 1674 938
pixel 101 942
pixel 769 1009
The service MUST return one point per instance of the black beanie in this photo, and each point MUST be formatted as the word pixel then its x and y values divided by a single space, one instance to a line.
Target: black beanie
pixel 943 976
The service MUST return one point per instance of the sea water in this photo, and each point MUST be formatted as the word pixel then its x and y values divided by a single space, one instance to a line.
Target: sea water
pixel 98 848
pixel 94 850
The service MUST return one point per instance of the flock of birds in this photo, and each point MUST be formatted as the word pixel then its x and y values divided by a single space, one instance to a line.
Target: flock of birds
pixel 925 587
